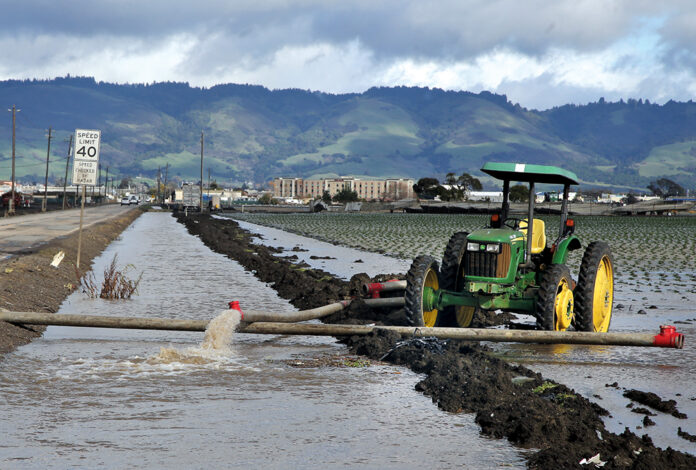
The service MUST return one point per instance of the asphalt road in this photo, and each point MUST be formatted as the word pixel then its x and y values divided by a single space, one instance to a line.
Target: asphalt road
pixel 27 231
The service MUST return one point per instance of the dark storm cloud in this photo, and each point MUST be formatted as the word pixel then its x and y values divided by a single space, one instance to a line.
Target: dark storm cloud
pixel 540 52
pixel 389 28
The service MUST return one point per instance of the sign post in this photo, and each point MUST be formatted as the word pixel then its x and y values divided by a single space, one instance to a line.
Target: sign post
pixel 85 165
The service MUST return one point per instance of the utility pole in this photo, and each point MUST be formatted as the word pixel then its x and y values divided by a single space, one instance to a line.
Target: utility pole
pixel 99 184
pixel 14 111
pixel 106 185
pixel 159 172
pixel 208 183
pixel 67 164
pixel 201 188
pixel 44 205
pixel 166 174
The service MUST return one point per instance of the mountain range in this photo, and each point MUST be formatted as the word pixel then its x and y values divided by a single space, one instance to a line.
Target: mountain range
pixel 252 134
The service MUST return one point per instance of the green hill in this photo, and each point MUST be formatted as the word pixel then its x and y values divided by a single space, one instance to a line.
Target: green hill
pixel 254 134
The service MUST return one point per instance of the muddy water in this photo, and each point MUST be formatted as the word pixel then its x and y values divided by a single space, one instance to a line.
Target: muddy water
pixel 97 398
pixel 670 373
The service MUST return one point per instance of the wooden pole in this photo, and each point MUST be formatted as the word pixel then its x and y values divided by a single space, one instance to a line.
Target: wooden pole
pixel 79 235
pixel 67 164
pixel 201 187
pixel 14 121
pixel 44 205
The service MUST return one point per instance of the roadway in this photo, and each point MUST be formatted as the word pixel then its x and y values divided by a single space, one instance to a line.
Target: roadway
pixel 23 232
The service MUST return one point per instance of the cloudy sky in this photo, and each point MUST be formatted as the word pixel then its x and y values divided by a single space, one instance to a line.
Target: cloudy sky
pixel 539 53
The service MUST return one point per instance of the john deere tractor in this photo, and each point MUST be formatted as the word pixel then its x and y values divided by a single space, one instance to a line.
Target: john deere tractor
pixel 511 266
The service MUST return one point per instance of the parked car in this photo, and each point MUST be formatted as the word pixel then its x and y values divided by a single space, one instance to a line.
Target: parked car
pixel 125 201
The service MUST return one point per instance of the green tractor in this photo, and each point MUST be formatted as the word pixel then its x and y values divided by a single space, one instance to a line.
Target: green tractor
pixel 510 266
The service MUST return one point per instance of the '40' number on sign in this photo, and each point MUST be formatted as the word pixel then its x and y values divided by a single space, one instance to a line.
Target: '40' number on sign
pixel 87 151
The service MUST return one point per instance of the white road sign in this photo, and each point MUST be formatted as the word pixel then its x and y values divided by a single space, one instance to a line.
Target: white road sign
pixel 87 144
pixel 86 156
pixel 85 173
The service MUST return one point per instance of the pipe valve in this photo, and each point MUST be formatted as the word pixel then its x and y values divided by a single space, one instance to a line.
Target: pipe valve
pixel 669 338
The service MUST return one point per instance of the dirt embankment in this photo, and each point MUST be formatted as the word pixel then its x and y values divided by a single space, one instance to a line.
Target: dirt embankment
pixel 28 282
pixel 509 401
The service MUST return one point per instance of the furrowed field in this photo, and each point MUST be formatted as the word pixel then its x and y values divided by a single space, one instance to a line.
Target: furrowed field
pixel 655 253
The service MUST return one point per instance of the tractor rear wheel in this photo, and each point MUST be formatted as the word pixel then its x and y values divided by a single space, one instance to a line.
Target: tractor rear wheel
pixel 555 299
pixel 452 279
pixel 595 291
pixel 423 273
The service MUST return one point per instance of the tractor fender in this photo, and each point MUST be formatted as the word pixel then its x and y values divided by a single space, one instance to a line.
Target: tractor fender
pixel 569 244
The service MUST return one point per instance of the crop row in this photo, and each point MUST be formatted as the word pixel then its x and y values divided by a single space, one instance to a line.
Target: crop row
pixel 643 247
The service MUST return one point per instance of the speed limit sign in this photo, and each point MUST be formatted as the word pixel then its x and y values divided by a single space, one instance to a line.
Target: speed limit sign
pixel 86 157
pixel 87 144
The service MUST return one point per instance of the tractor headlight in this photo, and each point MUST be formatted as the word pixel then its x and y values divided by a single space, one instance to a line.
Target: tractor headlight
pixel 472 246
pixel 493 248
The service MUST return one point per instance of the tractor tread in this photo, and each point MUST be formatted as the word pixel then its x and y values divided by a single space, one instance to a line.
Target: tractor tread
pixel 413 297
pixel 450 272
pixel 584 292
pixel 546 297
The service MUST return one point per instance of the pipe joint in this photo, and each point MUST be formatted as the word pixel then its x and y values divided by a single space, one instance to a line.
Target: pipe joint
pixel 234 305
pixel 669 338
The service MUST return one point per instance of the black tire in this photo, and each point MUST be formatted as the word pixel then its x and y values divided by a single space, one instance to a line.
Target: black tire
pixel 451 278
pixel 423 272
pixel 556 284
pixel 594 295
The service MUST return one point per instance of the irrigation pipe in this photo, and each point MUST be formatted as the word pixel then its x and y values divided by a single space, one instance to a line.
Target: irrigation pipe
pixel 667 338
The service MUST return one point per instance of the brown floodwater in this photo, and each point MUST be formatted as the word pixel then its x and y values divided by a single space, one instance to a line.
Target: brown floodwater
pixel 99 398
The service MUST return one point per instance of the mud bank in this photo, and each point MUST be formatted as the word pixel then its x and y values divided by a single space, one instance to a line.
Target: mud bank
pixel 29 283
pixel 509 401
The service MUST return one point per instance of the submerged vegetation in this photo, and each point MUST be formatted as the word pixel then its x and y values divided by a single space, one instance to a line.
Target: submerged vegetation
pixel 116 285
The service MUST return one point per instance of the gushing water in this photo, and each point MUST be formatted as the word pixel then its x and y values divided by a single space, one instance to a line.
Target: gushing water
pixel 218 335
pixel 216 345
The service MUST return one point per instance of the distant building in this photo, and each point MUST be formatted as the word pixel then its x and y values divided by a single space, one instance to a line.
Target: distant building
pixel 391 189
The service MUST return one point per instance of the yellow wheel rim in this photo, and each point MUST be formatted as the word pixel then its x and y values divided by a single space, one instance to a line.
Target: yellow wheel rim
pixel 430 318
pixel 464 315
pixel 563 306
pixel 603 296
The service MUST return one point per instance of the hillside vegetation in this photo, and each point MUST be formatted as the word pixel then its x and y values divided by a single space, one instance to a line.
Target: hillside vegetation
pixel 254 134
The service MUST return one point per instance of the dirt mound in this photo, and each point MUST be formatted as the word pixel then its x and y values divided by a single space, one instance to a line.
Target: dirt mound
pixel 509 401
pixel 29 284
pixel 655 402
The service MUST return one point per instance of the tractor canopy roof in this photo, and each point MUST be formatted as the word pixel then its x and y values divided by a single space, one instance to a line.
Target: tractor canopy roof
pixel 528 173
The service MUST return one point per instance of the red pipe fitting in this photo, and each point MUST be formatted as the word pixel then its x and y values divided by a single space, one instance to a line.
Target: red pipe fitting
pixel 234 305
pixel 374 288
pixel 669 338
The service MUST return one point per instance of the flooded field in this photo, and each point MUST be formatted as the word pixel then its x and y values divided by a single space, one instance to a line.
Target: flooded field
pixel 97 398
pixel 655 274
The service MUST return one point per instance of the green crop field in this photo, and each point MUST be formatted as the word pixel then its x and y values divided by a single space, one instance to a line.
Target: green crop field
pixel 650 252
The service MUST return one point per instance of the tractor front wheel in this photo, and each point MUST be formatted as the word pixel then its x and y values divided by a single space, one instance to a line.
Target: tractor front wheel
pixel 452 279
pixel 424 272
pixel 555 299
pixel 595 290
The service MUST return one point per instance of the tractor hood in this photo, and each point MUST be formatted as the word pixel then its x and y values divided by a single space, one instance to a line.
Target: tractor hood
pixel 498 235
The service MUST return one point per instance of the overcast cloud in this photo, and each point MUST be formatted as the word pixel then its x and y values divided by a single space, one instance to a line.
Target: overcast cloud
pixel 539 53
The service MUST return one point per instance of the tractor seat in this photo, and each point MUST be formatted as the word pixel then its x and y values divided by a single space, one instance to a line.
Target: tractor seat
pixel 538 235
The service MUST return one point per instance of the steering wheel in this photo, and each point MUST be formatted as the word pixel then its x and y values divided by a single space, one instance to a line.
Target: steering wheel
pixel 513 222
